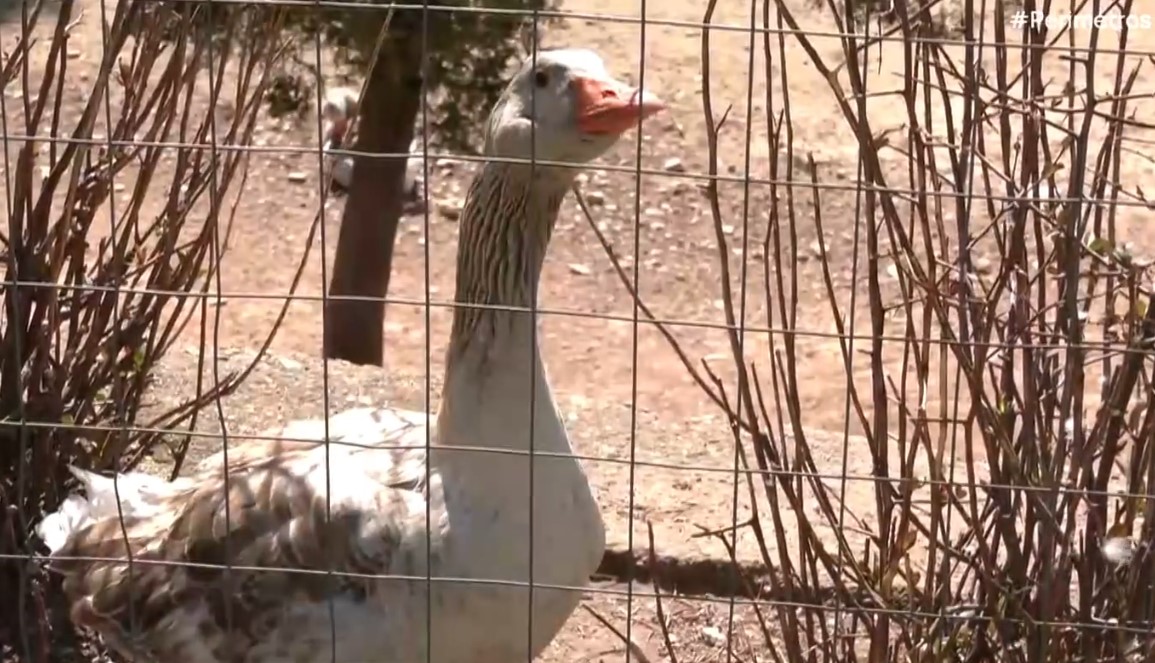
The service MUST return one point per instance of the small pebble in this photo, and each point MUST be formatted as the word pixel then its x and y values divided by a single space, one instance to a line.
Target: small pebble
pixel 290 364
pixel 450 209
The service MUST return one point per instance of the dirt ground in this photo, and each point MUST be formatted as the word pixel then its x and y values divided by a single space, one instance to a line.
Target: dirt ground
pixel 596 369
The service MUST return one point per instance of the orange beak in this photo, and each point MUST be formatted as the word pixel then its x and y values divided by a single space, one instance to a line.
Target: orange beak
pixel 609 107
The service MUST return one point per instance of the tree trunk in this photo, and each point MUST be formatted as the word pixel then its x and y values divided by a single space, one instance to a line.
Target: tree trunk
pixel 354 328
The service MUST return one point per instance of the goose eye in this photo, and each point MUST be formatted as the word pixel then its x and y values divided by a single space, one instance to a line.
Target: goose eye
pixel 540 78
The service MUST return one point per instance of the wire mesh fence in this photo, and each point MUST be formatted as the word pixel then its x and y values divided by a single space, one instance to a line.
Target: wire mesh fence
pixel 847 331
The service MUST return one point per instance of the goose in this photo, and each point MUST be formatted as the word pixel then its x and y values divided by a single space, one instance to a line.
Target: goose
pixel 339 107
pixel 337 111
pixel 375 508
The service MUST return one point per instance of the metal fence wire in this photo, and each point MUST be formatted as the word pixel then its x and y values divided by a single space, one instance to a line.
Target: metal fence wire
pixel 845 308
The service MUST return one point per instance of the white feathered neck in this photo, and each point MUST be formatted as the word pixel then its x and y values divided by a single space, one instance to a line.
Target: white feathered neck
pixel 494 368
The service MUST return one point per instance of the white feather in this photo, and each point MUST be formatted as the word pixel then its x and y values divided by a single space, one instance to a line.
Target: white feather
pixel 140 496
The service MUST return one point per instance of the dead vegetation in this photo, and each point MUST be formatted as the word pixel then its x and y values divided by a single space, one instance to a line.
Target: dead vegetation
pixel 1011 454
pixel 95 290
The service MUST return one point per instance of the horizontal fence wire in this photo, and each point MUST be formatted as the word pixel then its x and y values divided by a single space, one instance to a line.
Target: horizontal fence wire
pixel 1013 392
pixel 1114 349
pixel 1026 198
pixel 622 19
pixel 960 611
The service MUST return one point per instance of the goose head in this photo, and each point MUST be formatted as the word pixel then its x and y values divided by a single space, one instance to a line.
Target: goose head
pixel 337 110
pixel 564 106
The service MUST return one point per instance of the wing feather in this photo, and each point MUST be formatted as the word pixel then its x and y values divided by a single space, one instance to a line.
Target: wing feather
pixel 276 511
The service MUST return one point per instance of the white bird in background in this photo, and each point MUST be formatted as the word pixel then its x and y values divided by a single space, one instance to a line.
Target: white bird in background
pixel 338 109
pixel 329 545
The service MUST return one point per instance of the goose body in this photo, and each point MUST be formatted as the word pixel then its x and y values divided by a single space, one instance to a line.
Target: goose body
pixel 397 496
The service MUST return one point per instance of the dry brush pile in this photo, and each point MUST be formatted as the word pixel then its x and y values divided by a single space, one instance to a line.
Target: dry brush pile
pixel 119 197
pixel 1002 374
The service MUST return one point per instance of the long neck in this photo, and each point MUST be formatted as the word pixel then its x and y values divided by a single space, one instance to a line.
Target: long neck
pixel 494 370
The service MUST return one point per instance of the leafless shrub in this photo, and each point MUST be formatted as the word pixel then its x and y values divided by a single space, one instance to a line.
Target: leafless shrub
pixel 1007 402
pixel 118 202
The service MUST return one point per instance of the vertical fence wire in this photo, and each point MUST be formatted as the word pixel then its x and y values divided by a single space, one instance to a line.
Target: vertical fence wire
pixel 531 470
pixel 216 82
pixel 428 322
pixel 742 389
pixel 850 351
pixel 13 316
pixel 637 248
pixel 323 184
pixel 121 15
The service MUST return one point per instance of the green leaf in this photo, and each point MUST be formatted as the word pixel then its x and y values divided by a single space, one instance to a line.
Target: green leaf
pixel 1102 245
